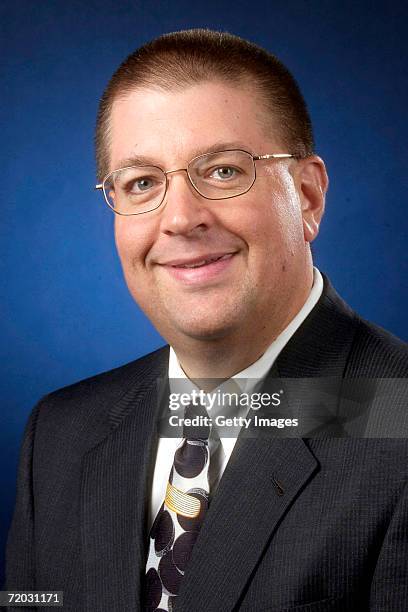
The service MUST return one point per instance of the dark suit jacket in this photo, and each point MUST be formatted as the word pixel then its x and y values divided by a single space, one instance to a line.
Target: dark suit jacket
pixel 332 536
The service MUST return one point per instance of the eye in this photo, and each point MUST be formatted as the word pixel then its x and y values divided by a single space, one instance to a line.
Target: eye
pixel 224 173
pixel 140 185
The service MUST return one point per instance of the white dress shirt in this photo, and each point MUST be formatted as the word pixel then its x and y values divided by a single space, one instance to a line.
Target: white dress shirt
pixel 245 380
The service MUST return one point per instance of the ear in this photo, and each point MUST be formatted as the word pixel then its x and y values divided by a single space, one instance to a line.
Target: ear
pixel 312 182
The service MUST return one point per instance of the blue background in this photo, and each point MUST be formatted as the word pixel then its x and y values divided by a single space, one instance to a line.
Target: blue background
pixel 66 310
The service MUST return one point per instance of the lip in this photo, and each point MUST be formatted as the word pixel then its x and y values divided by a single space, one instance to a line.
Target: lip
pixel 190 261
pixel 202 274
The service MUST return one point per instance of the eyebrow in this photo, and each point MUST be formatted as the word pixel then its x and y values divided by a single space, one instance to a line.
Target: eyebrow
pixel 143 160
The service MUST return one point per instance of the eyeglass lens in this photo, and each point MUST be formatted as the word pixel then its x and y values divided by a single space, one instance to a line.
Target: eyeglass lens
pixel 215 176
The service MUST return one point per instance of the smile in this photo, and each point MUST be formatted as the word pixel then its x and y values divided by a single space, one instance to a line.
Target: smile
pixel 200 270
pixel 204 262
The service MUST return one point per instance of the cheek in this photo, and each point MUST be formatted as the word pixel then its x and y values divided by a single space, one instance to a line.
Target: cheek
pixel 283 216
pixel 132 240
pixel 276 228
pixel 133 245
pixel 274 217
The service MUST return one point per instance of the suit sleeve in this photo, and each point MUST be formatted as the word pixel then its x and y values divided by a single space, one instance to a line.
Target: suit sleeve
pixel 20 552
pixel 390 581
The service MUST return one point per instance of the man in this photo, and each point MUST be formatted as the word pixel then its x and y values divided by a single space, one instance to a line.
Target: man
pixel 205 154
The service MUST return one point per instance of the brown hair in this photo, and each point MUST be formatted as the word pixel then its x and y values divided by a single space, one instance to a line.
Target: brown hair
pixel 179 59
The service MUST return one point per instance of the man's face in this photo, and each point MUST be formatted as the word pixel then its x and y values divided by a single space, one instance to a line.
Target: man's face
pixel 259 235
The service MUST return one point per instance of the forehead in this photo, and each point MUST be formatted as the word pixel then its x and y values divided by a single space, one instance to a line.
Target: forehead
pixel 171 127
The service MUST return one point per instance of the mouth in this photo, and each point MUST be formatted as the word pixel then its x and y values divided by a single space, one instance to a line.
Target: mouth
pixel 201 269
pixel 199 263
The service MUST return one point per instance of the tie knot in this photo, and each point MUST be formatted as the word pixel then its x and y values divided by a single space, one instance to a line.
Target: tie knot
pixel 196 422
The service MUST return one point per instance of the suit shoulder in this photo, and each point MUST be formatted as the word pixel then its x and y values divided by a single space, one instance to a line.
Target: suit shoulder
pixel 112 380
pixel 86 404
pixel 377 353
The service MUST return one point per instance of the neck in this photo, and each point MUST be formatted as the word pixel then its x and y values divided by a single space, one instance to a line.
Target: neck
pixel 219 358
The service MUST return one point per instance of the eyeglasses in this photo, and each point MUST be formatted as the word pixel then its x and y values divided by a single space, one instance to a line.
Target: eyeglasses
pixel 136 190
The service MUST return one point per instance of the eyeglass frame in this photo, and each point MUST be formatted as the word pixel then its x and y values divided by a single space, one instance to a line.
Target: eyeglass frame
pixel 167 172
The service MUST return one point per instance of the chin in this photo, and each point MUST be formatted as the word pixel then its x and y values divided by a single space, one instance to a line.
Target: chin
pixel 210 329
pixel 200 320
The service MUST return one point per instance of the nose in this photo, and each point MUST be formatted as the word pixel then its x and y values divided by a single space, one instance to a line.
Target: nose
pixel 184 209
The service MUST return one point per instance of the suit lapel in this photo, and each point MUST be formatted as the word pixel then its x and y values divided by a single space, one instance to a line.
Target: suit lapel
pixel 114 497
pixel 321 345
pixel 262 479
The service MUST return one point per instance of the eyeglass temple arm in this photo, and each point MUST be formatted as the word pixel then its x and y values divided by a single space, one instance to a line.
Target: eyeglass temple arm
pixel 98 186
pixel 273 156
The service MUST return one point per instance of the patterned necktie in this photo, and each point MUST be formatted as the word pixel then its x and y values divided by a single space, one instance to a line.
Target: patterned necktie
pixel 176 526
